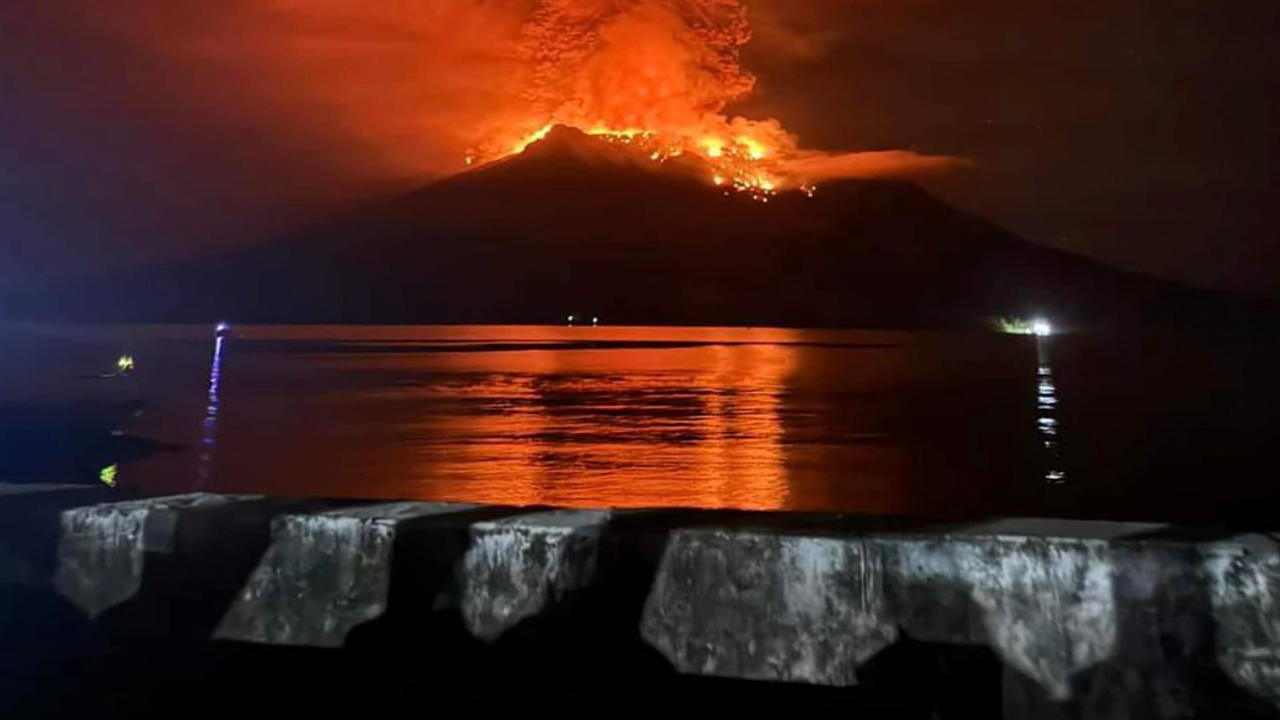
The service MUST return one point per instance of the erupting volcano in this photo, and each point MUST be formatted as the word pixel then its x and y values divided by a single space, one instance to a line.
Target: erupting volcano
pixel 608 178
pixel 656 76
pixel 583 224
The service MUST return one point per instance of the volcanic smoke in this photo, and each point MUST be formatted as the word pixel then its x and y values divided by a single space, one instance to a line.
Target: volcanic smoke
pixel 657 75
pixel 427 87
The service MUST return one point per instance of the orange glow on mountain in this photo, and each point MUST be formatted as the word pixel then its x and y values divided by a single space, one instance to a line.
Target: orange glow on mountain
pixel 652 75
pixel 741 164
pixel 657 76
pixel 418 90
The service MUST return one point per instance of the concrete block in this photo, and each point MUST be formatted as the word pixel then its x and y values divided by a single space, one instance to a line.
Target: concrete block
pixel 521 567
pixel 1244 592
pixel 29 516
pixel 768 607
pixel 1045 605
pixel 325 574
pixel 102 549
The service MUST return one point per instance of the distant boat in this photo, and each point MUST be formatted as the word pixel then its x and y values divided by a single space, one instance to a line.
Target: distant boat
pixel 584 320
pixel 125 365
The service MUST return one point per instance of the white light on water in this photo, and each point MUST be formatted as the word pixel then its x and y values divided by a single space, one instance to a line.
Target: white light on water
pixel 221 328
pixel 1042 328
pixel 1047 405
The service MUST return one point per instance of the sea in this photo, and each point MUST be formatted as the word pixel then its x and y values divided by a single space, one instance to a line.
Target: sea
pixel 936 425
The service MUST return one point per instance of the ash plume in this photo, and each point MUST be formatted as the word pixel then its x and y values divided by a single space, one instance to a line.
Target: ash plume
pixel 672 68
pixel 387 90
pixel 817 167
pixel 635 63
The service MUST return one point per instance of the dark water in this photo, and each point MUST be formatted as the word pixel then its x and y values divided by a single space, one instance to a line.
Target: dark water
pixel 935 424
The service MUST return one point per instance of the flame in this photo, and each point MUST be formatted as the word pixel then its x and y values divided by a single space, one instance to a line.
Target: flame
pixel 741 163
pixel 523 144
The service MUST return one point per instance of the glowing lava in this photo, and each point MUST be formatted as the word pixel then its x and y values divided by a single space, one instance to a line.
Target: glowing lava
pixel 657 77
pixel 741 164
pixel 652 75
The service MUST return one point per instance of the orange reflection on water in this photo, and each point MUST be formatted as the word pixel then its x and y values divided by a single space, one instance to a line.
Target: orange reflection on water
pixel 588 417
pixel 640 427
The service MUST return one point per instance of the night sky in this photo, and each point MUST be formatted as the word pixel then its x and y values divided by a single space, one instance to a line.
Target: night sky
pixel 1139 132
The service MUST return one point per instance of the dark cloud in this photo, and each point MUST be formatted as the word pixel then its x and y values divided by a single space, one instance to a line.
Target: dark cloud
pixel 1140 132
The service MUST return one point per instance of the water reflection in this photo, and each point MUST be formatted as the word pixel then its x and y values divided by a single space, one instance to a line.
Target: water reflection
pixel 555 425
pixel 209 426
pixel 613 417
pixel 1047 415
pixel 875 423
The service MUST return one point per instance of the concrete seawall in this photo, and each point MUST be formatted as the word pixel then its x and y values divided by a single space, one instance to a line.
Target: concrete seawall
pixel 1088 620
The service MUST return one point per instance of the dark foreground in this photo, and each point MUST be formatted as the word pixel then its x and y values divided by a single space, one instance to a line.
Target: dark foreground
pixel 214 605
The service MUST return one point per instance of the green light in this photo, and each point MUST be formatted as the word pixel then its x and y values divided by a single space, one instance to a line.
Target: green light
pixel 107 475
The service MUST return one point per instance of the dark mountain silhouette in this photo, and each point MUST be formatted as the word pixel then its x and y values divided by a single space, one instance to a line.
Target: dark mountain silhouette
pixel 579 225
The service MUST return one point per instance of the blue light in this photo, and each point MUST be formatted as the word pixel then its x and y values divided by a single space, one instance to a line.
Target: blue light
pixel 209 427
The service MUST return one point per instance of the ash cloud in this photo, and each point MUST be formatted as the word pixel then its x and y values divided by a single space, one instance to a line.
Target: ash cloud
pixel 385 91
pixel 816 167
pixel 626 63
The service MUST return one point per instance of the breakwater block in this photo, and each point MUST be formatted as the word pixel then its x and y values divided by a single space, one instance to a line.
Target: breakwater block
pixel 1088 619
pixel 328 573
pixel 519 568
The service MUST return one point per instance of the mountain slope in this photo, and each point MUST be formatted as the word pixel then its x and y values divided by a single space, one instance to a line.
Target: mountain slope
pixel 579 225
